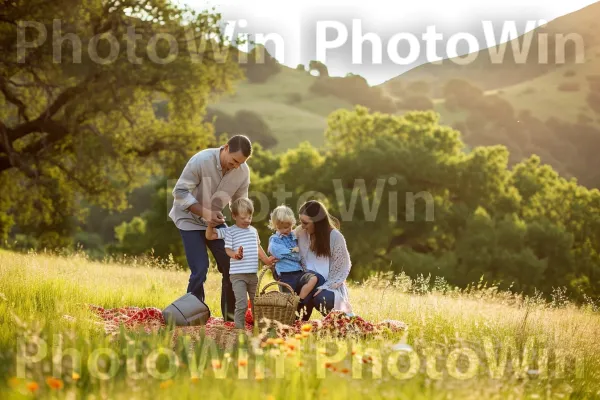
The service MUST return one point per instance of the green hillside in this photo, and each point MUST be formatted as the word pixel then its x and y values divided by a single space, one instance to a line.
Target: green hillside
pixel 285 102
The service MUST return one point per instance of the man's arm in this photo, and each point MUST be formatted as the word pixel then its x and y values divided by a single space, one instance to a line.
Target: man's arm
pixel 190 178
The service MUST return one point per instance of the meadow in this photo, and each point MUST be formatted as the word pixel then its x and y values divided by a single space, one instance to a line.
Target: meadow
pixel 459 343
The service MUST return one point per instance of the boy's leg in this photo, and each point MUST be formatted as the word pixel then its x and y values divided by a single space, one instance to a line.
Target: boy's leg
pixel 238 283
pixel 217 248
pixel 308 287
pixel 194 244
pixel 252 283
pixel 308 282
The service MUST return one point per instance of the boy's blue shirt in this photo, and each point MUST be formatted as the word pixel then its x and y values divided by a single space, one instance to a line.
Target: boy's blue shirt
pixel 281 247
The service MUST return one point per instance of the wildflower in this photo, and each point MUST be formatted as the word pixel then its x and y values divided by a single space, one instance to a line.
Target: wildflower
pixel 166 384
pixel 298 336
pixel 54 383
pixel 270 397
pixel 279 340
pixel 242 363
pixel 344 370
pixel 33 387
pixel 291 346
pixel 13 382
pixel 195 379
pixel 305 334
pixel 216 364
pixel 75 376
pixel 306 328
pixel 300 363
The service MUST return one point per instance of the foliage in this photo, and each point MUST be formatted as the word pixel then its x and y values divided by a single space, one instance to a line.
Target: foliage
pixel 244 122
pixel 259 65
pixel 85 129
pixel 355 90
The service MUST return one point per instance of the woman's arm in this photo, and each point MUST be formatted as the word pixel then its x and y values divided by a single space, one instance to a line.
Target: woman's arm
pixel 340 263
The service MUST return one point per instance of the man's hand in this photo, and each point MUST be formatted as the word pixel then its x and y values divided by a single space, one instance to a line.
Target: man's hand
pixel 295 250
pixel 215 218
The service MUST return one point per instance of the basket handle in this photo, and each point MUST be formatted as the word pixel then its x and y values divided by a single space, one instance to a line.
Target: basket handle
pixel 262 273
pixel 277 283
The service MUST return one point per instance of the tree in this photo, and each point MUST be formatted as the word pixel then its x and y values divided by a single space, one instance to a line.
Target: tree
pixel 318 66
pixel 85 126
pixel 259 65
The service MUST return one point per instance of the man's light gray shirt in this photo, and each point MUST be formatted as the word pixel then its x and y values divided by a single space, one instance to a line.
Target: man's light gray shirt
pixel 202 181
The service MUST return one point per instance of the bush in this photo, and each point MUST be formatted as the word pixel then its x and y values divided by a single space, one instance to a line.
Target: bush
pixel 415 103
pixel 319 67
pixel 593 100
pixel 584 119
pixel 293 98
pixel 356 91
pixel 569 87
pixel 260 65
pixel 255 127
pixel 244 122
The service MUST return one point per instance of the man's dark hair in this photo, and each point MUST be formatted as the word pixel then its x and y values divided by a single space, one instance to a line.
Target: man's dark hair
pixel 240 143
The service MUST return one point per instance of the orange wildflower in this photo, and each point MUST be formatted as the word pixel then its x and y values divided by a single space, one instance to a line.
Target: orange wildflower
pixel 166 384
pixel 54 383
pixel 33 387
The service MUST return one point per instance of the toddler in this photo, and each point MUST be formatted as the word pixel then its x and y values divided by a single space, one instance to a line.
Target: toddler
pixel 284 246
pixel 242 245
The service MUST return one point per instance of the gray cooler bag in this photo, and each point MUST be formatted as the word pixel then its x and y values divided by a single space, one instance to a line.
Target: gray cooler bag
pixel 187 310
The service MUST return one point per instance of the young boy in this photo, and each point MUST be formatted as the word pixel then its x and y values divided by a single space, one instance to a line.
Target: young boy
pixel 284 246
pixel 242 245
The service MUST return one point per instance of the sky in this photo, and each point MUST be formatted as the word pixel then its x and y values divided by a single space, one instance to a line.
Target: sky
pixel 331 31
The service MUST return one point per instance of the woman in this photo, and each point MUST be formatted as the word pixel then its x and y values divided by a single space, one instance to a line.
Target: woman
pixel 323 250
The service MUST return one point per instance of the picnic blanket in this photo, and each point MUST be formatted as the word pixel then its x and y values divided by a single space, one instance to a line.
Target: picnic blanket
pixel 336 323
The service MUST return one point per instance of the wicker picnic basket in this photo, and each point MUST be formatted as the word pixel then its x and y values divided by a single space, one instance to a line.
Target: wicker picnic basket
pixel 275 305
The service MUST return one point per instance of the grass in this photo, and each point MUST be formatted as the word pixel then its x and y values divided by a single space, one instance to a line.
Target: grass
pixel 38 290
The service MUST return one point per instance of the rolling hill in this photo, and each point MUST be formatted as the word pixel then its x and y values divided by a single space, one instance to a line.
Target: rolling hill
pixel 552 110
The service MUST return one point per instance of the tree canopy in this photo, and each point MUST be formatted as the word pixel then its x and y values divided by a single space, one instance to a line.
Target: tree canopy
pixel 78 81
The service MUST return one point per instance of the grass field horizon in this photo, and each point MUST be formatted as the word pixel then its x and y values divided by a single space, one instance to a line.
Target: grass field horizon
pixel 42 295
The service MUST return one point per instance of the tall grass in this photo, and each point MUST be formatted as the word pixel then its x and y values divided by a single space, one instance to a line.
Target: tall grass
pixel 44 295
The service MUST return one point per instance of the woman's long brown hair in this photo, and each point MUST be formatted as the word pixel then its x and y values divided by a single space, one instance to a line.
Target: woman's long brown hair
pixel 324 223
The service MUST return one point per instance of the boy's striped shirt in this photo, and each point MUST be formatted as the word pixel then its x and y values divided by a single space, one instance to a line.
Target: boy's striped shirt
pixel 235 237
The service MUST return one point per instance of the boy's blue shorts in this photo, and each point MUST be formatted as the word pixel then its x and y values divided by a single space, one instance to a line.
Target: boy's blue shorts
pixel 297 279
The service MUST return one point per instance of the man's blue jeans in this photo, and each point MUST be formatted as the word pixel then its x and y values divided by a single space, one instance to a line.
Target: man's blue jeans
pixel 195 246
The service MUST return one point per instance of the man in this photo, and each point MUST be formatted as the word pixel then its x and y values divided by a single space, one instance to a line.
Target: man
pixel 211 179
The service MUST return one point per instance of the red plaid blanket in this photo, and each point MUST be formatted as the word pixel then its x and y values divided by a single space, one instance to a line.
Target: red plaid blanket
pixel 336 323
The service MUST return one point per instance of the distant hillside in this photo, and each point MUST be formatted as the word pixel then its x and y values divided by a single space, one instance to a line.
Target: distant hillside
pixel 545 109
pixel 284 101
pixel 488 75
